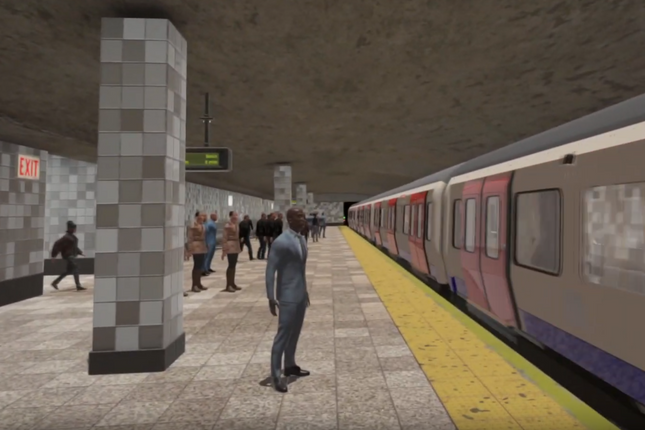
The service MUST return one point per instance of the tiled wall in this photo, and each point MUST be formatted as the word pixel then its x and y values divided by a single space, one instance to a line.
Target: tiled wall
pixel 71 188
pixel 333 210
pixel 206 199
pixel 22 215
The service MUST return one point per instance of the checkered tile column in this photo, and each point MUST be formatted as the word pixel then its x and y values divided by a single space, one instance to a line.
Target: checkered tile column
pixel 310 202
pixel 282 188
pixel 138 300
pixel 301 196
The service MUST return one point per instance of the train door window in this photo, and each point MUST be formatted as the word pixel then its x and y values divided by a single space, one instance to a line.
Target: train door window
pixel 429 222
pixel 537 230
pixel 492 227
pixel 420 221
pixel 406 219
pixel 471 225
pixel 614 239
pixel 457 235
pixel 413 221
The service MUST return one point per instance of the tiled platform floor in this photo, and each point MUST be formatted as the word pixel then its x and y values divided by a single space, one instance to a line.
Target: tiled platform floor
pixel 363 374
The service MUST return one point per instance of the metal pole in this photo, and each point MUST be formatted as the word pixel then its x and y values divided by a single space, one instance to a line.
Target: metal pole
pixel 207 119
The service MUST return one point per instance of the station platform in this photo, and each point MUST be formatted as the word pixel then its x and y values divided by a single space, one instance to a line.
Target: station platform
pixel 384 351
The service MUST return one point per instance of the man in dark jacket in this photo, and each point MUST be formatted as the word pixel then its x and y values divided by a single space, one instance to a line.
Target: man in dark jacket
pixel 246 226
pixel 261 233
pixel 67 247
pixel 270 226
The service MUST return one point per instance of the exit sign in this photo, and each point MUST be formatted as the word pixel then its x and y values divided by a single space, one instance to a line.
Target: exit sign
pixel 28 167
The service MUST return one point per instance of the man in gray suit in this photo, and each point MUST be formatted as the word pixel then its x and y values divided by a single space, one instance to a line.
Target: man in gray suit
pixel 288 297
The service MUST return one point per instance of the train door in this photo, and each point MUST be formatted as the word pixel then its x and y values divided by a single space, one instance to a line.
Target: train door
pixel 417 233
pixel 368 222
pixel 391 227
pixel 494 252
pixel 377 224
pixel 471 251
pixel 402 229
pixel 383 223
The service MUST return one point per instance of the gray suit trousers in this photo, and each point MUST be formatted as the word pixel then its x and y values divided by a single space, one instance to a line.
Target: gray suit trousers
pixel 290 319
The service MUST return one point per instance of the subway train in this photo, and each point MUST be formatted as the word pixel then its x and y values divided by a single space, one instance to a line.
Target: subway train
pixel 545 238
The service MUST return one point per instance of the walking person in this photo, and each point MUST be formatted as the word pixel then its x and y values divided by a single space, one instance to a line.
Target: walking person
pixel 288 294
pixel 260 234
pixel 323 224
pixel 67 247
pixel 231 250
pixel 211 242
pixel 315 232
pixel 198 248
pixel 246 227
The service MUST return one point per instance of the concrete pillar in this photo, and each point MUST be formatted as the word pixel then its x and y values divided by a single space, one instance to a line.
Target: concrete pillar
pixel 310 198
pixel 301 196
pixel 138 300
pixel 282 188
pixel 23 175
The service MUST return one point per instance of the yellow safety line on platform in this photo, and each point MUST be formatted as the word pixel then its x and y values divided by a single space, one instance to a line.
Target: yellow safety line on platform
pixel 482 382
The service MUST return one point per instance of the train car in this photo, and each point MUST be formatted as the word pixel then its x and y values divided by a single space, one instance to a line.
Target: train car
pixel 545 237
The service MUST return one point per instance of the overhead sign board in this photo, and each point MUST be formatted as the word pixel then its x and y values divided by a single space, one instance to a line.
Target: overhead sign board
pixel 209 160
pixel 28 167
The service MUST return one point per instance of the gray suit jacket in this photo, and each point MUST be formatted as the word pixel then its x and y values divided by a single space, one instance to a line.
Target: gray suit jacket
pixel 288 258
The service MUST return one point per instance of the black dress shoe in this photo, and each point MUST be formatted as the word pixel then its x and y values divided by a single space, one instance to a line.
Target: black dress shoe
pixel 296 371
pixel 205 273
pixel 211 271
pixel 279 386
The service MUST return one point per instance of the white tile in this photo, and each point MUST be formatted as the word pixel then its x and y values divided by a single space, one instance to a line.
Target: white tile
pixel 107 240
pixel 171 56
pixel 128 264
pixel 130 215
pixel 151 313
pixel 132 98
pixel 104 290
pixel 107 192
pixel 128 289
pixel 111 51
pixel 157 29
pixel 152 239
pixel 127 338
pixel 104 314
pixel 131 144
pixel 134 28
pixel 154 120
pixel 154 191
pixel 155 98
pixel 156 75
pixel 156 51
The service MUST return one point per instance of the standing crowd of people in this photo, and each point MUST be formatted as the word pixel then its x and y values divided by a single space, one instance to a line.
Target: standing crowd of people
pixel 202 242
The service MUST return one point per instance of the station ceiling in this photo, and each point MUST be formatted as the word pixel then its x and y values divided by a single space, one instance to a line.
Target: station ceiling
pixel 359 95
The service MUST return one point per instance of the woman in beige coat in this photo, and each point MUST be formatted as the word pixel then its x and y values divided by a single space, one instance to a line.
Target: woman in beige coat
pixel 197 247
pixel 231 249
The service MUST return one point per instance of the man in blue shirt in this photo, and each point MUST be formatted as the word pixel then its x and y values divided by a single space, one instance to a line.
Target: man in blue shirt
pixel 211 242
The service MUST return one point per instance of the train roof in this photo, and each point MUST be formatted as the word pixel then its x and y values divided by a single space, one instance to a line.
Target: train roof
pixel 442 175
pixel 621 115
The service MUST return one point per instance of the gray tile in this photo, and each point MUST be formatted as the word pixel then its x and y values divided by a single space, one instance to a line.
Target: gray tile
pixel 130 191
pixel 133 74
pixel 134 51
pixel 111 74
pixel 131 120
pixel 130 239
pixel 111 28
pixel 151 337
pixel 103 338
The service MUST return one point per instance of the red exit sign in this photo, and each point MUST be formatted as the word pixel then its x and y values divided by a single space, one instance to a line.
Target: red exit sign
pixel 28 167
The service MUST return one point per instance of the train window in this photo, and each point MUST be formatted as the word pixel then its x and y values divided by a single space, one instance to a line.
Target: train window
pixel 537 230
pixel 614 242
pixel 457 236
pixel 471 225
pixel 429 222
pixel 413 220
pixel 492 227
pixel 419 220
pixel 406 219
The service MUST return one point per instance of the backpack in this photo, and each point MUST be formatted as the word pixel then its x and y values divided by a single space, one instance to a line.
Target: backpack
pixel 57 247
